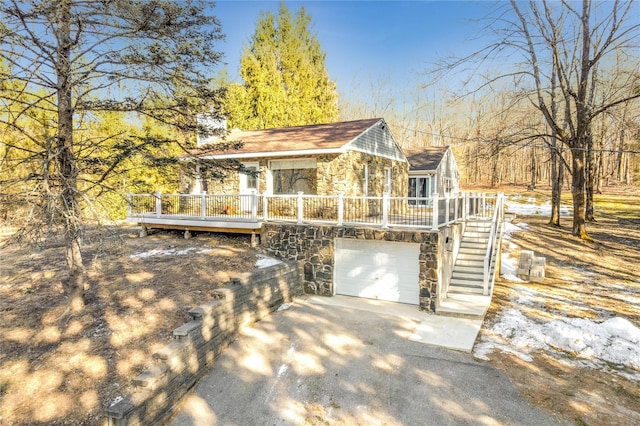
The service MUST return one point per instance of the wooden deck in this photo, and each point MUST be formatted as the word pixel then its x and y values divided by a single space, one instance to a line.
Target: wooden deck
pixel 189 223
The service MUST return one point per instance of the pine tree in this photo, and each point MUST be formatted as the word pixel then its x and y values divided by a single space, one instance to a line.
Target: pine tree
pixel 285 80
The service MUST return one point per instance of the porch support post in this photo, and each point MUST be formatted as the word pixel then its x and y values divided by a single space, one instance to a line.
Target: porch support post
pixel 300 207
pixel 158 203
pixel 265 209
pixel 254 204
pixel 456 210
pixel 434 211
pixel 385 210
pixel 465 206
pixel 203 204
pixel 340 208
pixel 484 204
pixel 447 208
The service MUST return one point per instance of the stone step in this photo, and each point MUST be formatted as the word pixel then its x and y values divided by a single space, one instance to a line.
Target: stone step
pixel 471 257
pixel 465 289
pixel 473 269
pixel 464 305
pixel 473 245
pixel 467 275
pixel 475 234
pixel 472 251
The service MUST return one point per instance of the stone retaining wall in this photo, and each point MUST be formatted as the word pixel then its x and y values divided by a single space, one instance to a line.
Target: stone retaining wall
pixel 213 326
pixel 313 246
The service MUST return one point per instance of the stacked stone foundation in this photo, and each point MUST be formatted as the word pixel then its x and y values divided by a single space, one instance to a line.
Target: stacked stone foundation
pixel 197 343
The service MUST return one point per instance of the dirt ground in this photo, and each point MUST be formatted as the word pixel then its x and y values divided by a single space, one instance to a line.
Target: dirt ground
pixel 65 371
pixel 595 280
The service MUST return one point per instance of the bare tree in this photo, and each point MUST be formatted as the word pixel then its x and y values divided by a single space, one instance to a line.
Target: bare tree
pixel 564 49
pixel 66 61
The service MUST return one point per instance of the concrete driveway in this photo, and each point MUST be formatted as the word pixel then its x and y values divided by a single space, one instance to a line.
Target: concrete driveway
pixel 320 362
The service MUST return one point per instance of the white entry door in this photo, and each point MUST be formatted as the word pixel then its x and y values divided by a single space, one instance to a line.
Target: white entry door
pixel 380 270
pixel 248 186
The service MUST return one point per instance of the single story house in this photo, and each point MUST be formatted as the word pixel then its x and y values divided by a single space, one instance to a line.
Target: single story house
pixel 357 158
pixel 432 170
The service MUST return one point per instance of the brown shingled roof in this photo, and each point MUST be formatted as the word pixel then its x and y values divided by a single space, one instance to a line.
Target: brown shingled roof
pixel 425 158
pixel 299 138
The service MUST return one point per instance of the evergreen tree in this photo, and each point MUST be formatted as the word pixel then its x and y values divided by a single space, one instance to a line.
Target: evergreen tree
pixel 285 80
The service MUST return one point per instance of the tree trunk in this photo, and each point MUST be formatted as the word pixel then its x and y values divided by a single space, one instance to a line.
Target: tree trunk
pixel 532 185
pixel 556 186
pixel 590 180
pixel 578 193
pixel 67 168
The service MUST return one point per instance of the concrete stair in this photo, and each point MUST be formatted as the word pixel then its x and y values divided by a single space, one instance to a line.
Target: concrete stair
pixel 468 271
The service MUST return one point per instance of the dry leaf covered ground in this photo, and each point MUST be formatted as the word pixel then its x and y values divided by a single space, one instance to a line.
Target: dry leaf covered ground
pixel 66 370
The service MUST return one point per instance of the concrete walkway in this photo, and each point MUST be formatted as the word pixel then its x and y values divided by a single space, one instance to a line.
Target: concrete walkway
pixel 341 361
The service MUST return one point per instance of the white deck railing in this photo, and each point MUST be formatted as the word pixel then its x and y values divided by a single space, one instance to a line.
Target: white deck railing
pixel 496 222
pixel 415 212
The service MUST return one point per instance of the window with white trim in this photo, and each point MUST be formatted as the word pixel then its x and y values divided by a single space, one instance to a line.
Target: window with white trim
pixel 420 188
pixel 293 176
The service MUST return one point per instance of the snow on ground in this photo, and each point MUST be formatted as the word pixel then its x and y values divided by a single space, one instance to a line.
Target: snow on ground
pixel 527 206
pixel 261 262
pixel 169 252
pixel 610 345
pixel 265 261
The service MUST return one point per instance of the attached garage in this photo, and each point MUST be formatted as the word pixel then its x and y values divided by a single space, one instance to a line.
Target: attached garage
pixel 373 269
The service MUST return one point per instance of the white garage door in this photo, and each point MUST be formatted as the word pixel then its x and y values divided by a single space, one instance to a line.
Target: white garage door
pixel 377 270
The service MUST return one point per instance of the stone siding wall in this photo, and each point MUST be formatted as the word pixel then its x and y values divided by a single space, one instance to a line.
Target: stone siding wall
pixel 345 173
pixel 313 246
pixel 335 173
pixel 213 326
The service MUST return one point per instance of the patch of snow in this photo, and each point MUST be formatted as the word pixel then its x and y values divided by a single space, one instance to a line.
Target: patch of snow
pixel 614 341
pixel 530 206
pixel 266 261
pixel 284 307
pixel 169 252
pixel 115 401
pixel 283 369
pixel 612 345
pixel 509 265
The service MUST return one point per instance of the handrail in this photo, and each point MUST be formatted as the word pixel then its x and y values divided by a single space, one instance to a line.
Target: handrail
pixel 497 215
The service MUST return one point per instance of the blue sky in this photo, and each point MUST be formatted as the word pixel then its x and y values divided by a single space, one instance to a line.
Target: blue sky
pixel 368 41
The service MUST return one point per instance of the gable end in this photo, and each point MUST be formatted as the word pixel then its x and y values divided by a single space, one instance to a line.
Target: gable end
pixel 377 140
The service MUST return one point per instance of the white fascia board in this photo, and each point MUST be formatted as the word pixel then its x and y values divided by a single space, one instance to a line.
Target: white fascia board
pixel 422 172
pixel 390 157
pixel 274 154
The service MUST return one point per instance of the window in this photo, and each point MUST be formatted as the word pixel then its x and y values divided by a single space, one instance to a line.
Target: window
pixel 448 185
pixel 293 176
pixel 248 181
pixel 419 187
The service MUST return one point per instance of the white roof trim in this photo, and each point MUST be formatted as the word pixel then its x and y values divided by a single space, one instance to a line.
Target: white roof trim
pixel 272 154
pixel 390 157
pixel 422 172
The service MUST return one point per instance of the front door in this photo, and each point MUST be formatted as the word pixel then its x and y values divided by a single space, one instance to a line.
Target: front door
pixel 248 187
